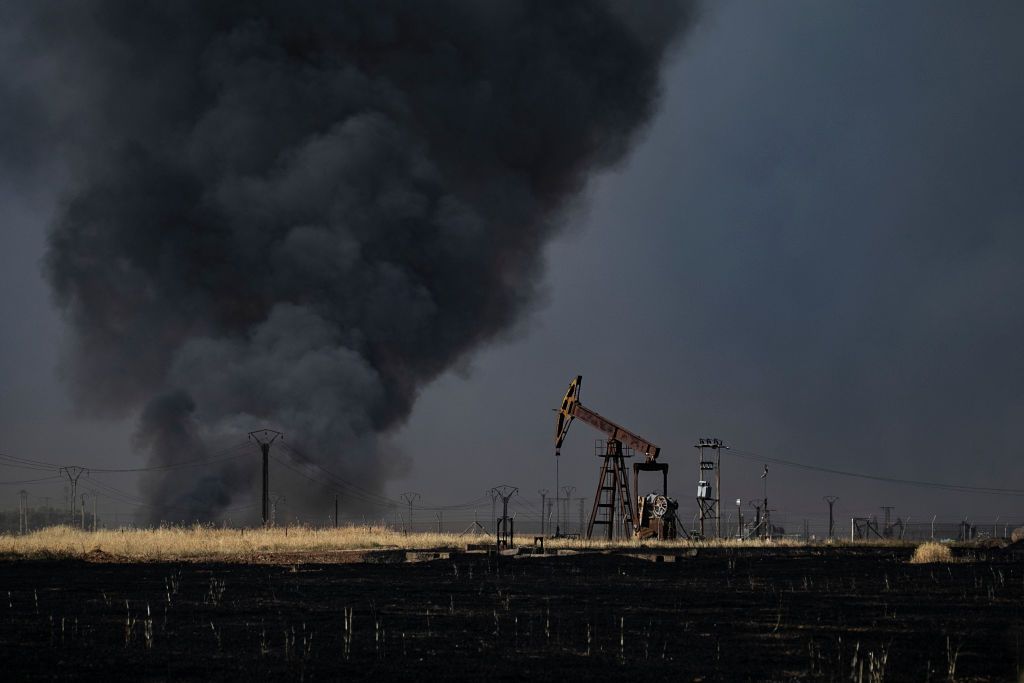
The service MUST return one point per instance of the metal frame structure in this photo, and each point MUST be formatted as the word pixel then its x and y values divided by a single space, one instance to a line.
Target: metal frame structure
pixel 505 530
pixel 73 472
pixel 831 500
pixel 861 526
pixel 613 491
pixel 661 527
pixel 710 506
pixel 260 437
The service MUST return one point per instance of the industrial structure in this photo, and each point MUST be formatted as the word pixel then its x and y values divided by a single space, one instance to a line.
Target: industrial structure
pixel 709 498
pixel 653 515
pixel 505 530
pixel 868 527
pixel 261 437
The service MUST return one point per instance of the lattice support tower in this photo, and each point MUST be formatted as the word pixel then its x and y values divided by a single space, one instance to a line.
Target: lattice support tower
pixel 613 495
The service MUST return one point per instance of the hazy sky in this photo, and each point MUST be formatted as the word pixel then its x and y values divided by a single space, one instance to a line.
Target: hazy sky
pixel 813 253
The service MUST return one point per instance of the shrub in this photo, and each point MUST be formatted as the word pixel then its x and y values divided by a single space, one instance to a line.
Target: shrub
pixel 931 552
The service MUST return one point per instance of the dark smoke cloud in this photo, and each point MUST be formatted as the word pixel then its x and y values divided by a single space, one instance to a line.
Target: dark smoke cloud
pixel 299 213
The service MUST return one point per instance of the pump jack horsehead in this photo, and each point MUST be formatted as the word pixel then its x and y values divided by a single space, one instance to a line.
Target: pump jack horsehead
pixel 654 515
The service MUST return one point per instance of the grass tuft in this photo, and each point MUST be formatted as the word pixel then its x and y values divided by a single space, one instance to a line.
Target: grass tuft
pixel 929 552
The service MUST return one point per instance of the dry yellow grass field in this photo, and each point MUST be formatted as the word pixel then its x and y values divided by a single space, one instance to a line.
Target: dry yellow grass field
pixel 212 543
pixel 199 543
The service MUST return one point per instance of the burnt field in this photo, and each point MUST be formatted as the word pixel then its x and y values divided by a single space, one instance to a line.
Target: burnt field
pixel 724 614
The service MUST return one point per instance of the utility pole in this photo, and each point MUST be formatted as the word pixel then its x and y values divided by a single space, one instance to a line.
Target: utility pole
pixel 558 454
pixel 494 502
pixel 581 501
pixel 567 492
pixel 265 437
pixel 758 520
pixel 543 496
pixel 505 533
pixel 718 487
pixel 887 529
pixel 83 512
pixel 710 505
pixel 831 500
pixel 739 518
pixel 440 519
pixel 551 504
pixel 94 497
pixel 767 514
pixel 23 510
pixel 410 497
pixel 335 510
pixel 275 498
pixel 73 472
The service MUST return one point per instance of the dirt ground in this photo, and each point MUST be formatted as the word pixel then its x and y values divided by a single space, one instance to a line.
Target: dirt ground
pixel 728 615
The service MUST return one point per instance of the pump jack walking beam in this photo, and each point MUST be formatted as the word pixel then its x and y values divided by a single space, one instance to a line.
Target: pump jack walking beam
pixel 572 408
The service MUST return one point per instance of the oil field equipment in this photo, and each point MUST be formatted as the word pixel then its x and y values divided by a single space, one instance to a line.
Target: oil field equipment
pixel 656 518
pixel 709 502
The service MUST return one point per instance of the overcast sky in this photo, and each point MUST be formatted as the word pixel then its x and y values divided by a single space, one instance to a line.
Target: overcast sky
pixel 813 253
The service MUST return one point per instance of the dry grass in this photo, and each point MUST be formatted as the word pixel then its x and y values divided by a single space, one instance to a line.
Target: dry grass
pixel 211 543
pixel 931 551
pixel 248 545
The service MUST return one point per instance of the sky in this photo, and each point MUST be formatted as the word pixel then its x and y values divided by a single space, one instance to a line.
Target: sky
pixel 813 252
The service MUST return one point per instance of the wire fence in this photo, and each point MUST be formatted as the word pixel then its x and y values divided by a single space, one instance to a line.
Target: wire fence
pixel 529 521
pixel 532 516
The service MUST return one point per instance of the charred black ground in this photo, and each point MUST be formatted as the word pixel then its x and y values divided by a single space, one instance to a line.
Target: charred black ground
pixel 824 614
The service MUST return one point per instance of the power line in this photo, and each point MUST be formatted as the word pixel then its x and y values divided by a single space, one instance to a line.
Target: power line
pixel 222 455
pixel 300 458
pixel 230 453
pixel 12 461
pixel 963 488
pixel 356 491
pixel 303 462
pixel 339 485
pixel 112 493
pixel 381 503
pixel 28 481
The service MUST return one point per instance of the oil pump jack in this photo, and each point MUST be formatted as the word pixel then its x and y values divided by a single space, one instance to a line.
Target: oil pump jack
pixel 654 515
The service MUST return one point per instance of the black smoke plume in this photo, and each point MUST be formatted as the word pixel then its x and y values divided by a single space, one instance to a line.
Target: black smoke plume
pixel 296 214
